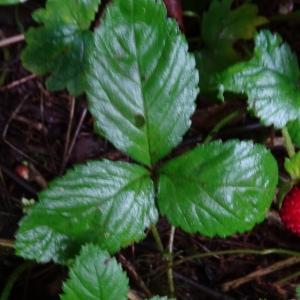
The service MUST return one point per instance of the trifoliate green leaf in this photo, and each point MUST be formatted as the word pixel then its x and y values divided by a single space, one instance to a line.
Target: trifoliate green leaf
pixel 222 27
pixel 270 80
pixel 143 82
pixel 218 189
pixel 106 203
pixel 10 2
pixel 292 166
pixel 95 276
pixel 62 45
pixel 294 131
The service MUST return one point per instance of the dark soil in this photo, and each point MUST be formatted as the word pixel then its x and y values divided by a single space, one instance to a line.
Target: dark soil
pixel 33 129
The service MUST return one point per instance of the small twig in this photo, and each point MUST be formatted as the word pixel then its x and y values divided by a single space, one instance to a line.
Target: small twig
pixel 30 123
pixel 157 239
pixel 5 131
pixel 131 295
pixel 6 243
pixel 233 284
pixel 130 268
pixel 170 262
pixel 239 252
pixel 288 142
pixel 67 143
pixel 83 115
pixel 18 82
pixel 12 40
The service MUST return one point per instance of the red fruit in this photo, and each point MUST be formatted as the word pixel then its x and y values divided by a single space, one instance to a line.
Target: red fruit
pixel 290 211
pixel 23 171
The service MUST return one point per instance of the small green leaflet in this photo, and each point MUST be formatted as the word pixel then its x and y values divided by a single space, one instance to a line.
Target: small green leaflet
pixel 143 82
pixel 270 80
pixel 95 276
pixel 294 131
pixel 292 166
pixel 103 202
pixel 218 189
pixel 221 28
pixel 10 2
pixel 62 45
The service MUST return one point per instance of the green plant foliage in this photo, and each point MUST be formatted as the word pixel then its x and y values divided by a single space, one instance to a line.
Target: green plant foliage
pixel 218 189
pixel 298 291
pixel 143 83
pixel 294 131
pixel 270 80
pixel 10 2
pixel 292 166
pixel 103 202
pixel 63 43
pixel 221 28
pixel 95 276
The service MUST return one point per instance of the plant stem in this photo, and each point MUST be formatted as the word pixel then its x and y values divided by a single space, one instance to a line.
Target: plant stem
pixel 13 279
pixel 239 252
pixel 157 239
pixel 225 121
pixel 170 263
pixel 288 142
pixel 6 243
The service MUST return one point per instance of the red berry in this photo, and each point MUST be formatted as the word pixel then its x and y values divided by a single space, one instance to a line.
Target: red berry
pixel 290 211
pixel 23 171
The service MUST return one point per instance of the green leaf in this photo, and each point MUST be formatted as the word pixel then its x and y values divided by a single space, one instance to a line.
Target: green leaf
pixel 298 291
pixel 218 189
pixel 62 45
pixel 10 2
pixel 95 276
pixel 270 80
pixel 292 166
pixel 103 202
pixel 294 131
pixel 221 28
pixel 143 81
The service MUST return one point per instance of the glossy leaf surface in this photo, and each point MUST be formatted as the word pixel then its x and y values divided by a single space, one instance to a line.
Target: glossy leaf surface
pixel 106 203
pixel 270 80
pixel 218 189
pixel 10 2
pixel 62 45
pixel 95 276
pixel 143 82
pixel 221 28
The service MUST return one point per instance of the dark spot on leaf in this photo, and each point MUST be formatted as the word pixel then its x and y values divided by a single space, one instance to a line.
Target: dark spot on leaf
pixel 139 120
